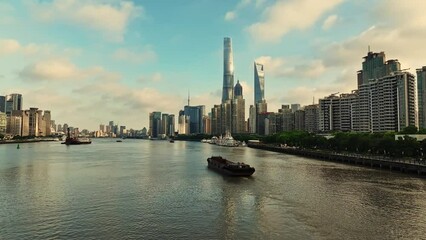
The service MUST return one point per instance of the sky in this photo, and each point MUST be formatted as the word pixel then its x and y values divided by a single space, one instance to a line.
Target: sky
pixel 95 61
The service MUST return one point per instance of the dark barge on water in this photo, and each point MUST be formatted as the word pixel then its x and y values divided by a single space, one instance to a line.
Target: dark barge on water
pixel 229 168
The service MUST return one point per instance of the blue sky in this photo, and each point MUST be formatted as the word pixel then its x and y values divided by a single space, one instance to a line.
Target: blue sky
pixel 93 61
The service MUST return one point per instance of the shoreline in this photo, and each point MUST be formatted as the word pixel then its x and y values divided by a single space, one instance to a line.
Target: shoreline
pixel 26 141
pixel 409 166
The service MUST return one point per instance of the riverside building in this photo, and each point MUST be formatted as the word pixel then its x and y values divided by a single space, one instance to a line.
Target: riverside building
pixel 421 96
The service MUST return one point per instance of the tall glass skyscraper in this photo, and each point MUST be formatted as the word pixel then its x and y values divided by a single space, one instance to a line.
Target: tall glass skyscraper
pixel 13 102
pixel 259 83
pixel 228 71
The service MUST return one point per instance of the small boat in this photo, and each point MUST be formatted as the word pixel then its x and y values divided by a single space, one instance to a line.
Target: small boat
pixel 119 141
pixel 229 168
pixel 171 140
pixel 75 140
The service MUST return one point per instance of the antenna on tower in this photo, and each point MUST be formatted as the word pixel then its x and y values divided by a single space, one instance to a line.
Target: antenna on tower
pixel 313 100
pixel 188 97
pixel 368 48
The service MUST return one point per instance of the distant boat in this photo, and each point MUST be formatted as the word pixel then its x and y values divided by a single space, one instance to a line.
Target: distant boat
pixel 229 168
pixel 227 140
pixel 119 141
pixel 75 140
pixel 171 140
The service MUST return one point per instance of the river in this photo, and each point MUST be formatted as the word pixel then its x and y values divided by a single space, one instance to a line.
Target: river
pixel 140 189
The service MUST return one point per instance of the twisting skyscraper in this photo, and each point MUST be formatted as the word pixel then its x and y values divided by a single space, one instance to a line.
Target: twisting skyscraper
pixel 259 83
pixel 228 71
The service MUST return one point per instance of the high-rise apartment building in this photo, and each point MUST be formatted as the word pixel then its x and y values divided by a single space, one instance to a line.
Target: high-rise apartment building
pixel 14 125
pixel 421 96
pixel 47 118
pixel 311 118
pixel 394 106
pixel 207 124
pixel 336 113
pixel 3 123
pixel 252 119
pixel 286 119
pixel 299 120
pixel 228 71
pixel 33 124
pixel 386 100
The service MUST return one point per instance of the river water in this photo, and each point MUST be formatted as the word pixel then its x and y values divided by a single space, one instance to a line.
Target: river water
pixel 141 189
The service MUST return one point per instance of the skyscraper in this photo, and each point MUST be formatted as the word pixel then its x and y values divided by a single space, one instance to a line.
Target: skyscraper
pixel 13 102
pixel 259 83
pixel 238 110
pixel 2 104
pixel 421 95
pixel 195 114
pixel 375 66
pixel 154 124
pixel 228 70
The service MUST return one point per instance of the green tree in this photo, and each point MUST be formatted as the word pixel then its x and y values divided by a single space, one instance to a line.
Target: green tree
pixel 410 130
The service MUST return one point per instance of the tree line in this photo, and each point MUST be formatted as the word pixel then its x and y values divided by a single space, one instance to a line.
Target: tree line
pixel 367 143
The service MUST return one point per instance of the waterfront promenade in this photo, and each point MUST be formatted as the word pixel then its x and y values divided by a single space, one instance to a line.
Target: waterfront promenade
pixel 406 165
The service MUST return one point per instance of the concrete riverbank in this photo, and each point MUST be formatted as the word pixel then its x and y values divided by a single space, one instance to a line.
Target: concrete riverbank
pixel 406 165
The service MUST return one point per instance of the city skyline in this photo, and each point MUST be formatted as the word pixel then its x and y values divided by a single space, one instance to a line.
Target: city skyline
pixel 105 60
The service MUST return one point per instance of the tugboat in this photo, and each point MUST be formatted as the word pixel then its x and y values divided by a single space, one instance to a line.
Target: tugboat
pixel 230 168
pixel 75 140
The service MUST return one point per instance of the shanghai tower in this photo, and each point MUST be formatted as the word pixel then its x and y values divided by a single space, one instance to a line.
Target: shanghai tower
pixel 228 71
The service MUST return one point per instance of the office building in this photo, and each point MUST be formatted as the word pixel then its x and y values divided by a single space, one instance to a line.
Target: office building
pixel 375 66
pixel 3 104
pixel 238 110
pixel 183 123
pixel 13 102
pixel 195 114
pixel 155 124
pixel 228 71
pixel 259 83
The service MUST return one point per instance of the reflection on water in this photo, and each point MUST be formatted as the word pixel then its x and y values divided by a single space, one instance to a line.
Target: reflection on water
pixel 156 190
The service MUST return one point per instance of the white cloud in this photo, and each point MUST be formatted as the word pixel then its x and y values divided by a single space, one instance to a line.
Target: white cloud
pixel 111 19
pixel 329 22
pixel 229 16
pixel 155 77
pixel 135 56
pixel 299 68
pixel 34 50
pixel 8 46
pixel 285 16
pixel 60 69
